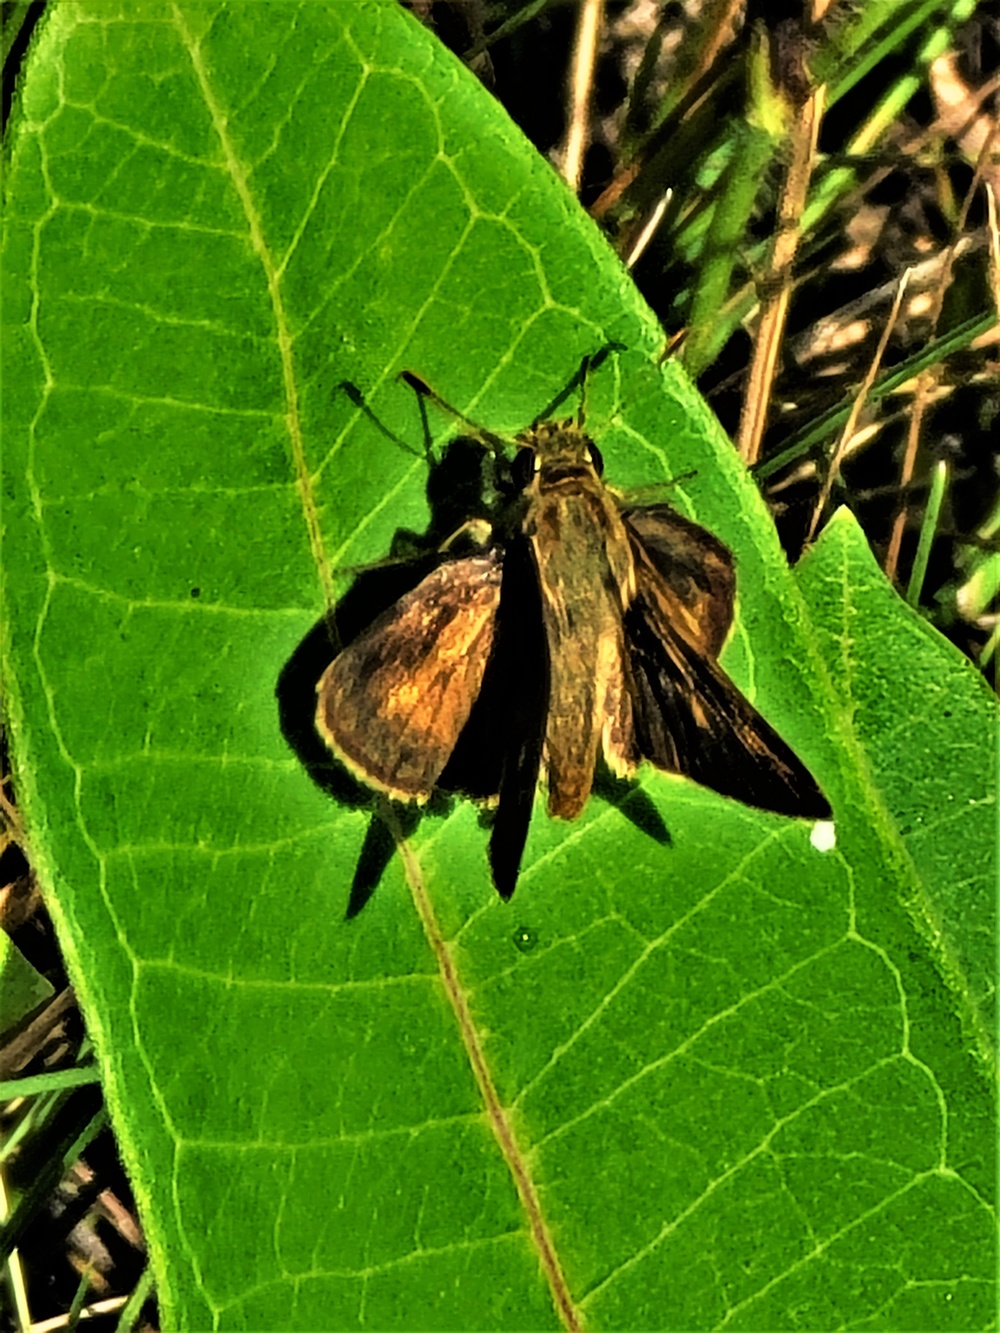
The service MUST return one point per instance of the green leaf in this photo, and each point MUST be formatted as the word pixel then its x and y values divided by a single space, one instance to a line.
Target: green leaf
pixel 22 988
pixel 734 1081
pixel 923 730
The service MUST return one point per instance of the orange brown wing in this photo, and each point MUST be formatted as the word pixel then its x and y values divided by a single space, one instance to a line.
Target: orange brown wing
pixel 392 704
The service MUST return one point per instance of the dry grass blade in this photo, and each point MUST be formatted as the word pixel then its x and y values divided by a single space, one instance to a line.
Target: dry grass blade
pixel 589 26
pixel 847 434
pixel 777 281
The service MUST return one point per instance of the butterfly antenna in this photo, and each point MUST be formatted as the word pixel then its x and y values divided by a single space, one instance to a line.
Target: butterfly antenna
pixel 424 391
pixel 587 367
pixel 589 364
pixel 358 399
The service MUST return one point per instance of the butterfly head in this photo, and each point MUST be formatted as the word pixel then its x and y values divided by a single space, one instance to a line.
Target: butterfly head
pixel 552 452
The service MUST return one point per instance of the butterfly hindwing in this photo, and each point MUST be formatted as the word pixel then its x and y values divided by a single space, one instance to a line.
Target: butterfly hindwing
pixel 696 571
pixel 689 717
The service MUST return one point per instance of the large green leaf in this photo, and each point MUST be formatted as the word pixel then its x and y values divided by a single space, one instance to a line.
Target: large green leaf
pixel 735 1081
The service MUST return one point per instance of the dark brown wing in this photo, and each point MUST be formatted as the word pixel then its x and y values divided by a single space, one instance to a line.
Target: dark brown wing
pixel 499 752
pixel 696 567
pixel 523 664
pixel 393 703
pixel 689 717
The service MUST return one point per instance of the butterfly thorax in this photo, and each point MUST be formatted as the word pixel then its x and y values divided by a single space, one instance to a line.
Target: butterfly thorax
pixel 566 503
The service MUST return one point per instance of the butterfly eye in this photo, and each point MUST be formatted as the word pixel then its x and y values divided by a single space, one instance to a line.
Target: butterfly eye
pixel 525 465
pixel 595 457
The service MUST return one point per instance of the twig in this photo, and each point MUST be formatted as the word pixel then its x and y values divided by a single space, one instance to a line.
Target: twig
pixel 856 408
pixel 927 383
pixel 648 231
pixel 994 235
pixel 778 281
pixel 584 59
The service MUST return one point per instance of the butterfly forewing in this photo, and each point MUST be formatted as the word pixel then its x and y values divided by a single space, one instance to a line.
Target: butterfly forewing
pixel 516 696
pixel 393 704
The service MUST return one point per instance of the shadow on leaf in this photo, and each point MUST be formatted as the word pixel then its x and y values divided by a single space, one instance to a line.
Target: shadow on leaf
pixel 455 488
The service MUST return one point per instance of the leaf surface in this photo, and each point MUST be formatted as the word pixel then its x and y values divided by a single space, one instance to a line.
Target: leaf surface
pixel 735 1081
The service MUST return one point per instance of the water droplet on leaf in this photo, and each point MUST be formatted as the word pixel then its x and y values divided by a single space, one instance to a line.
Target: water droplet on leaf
pixel 524 939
